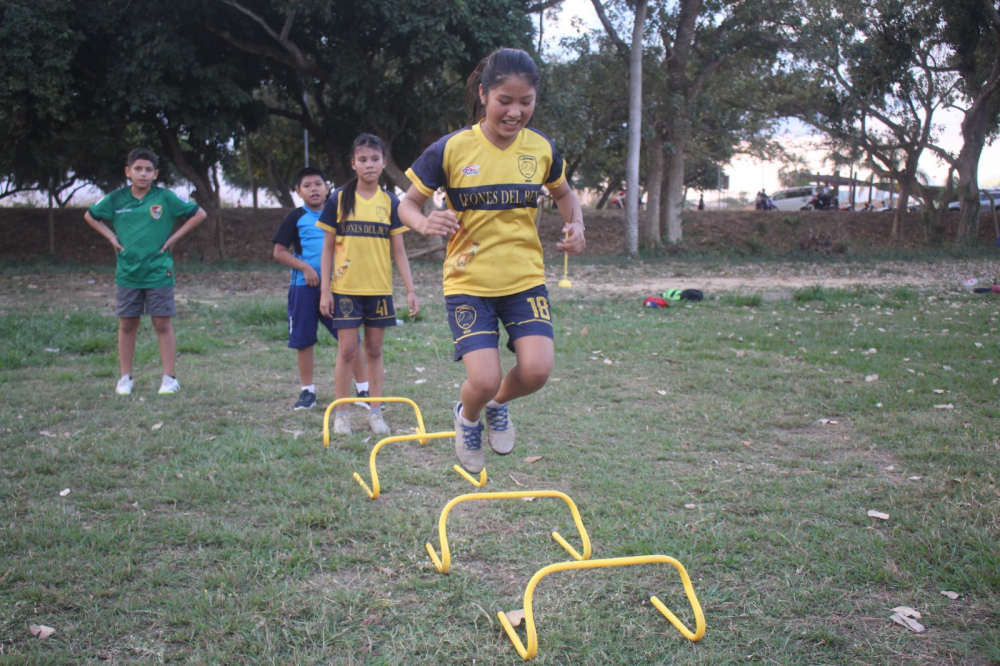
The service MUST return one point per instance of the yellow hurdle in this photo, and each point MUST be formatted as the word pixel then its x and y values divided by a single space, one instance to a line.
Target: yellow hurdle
pixel 374 490
pixel 444 562
pixel 532 650
pixel 326 417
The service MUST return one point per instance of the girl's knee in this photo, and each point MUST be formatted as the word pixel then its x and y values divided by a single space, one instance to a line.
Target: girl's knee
pixel 536 374
pixel 373 351
pixel 485 383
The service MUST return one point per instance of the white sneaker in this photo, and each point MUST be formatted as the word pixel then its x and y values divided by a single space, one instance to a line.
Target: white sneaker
pixel 342 424
pixel 124 385
pixel 378 424
pixel 169 385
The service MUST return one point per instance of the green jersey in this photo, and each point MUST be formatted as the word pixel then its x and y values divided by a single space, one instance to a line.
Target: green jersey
pixel 143 226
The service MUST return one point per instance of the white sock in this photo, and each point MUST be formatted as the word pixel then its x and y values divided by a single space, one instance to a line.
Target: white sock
pixel 166 377
pixel 495 405
pixel 466 421
pixel 361 386
pixel 311 388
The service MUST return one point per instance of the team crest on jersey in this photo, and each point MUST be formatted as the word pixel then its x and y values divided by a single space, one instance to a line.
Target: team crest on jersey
pixel 156 212
pixel 347 306
pixel 465 317
pixel 382 212
pixel 527 165
pixel 471 170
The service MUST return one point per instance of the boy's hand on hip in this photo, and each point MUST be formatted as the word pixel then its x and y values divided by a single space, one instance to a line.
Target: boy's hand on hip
pixel 312 279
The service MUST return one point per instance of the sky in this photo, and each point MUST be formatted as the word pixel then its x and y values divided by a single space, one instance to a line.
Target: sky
pixel 748 175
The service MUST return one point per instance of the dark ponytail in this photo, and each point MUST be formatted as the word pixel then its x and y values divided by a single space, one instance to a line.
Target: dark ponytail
pixel 348 191
pixel 494 70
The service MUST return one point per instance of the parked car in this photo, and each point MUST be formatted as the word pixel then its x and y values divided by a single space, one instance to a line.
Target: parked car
pixel 984 201
pixel 793 199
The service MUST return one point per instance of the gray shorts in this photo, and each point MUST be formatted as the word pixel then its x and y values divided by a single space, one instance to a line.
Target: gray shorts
pixel 157 302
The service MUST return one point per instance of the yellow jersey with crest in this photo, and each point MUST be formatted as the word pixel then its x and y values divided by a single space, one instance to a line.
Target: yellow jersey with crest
pixel 495 194
pixel 362 259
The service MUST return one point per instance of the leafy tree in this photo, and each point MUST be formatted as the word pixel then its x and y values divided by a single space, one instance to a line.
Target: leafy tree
pixel 394 67
pixel 886 111
pixel 81 66
pixel 971 28
pixel 710 63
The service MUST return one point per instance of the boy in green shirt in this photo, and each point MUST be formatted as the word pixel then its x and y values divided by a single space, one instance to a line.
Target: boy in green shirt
pixel 143 217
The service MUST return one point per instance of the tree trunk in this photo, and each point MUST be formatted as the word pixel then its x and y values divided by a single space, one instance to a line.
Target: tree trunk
pixel 651 228
pixel 395 174
pixel 943 210
pixel 253 179
pixel 632 187
pixel 967 166
pixel 52 224
pixel 278 188
pixel 613 186
pixel 674 199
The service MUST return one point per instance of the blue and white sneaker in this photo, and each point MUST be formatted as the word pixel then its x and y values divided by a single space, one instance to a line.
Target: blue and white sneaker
pixel 500 429
pixel 468 443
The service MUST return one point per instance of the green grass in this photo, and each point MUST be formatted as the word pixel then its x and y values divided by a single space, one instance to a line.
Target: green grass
pixel 230 535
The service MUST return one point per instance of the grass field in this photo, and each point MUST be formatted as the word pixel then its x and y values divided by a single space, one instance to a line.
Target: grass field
pixel 744 437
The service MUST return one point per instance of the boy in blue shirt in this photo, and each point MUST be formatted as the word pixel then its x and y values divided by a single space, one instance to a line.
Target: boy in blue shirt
pixel 143 217
pixel 299 231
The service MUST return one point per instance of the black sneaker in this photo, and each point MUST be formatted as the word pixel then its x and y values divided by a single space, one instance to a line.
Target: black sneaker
pixel 363 394
pixel 307 400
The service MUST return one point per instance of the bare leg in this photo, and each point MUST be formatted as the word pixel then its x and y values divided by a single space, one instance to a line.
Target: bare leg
pixel 347 352
pixel 305 359
pixel 360 376
pixel 127 328
pixel 535 359
pixel 376 367
pixel 164 327
pixel 483 377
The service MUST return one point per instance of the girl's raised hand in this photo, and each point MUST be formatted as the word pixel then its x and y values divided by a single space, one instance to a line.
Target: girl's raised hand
pixel 573 241
pixel 441 223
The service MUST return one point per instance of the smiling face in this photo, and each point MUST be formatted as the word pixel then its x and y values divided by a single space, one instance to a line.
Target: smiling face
pixel 313 190
pixel 368 163
pixel 509 106
pixel 142 173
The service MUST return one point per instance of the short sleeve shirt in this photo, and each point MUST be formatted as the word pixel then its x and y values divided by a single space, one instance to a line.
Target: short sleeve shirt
pixel 299 233
pixel 495 195
pixel 143 226
pixel 362 258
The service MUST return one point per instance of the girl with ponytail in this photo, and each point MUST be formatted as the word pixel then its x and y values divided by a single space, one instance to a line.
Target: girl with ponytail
pixel 363 236
pixel 493 172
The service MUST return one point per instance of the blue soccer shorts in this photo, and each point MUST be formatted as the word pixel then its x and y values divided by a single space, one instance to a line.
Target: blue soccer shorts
pixel 304 318
pixel 474 320
pixel 353 311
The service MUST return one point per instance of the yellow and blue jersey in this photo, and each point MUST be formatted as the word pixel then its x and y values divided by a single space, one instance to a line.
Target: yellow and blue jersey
pixel 362 260
pixel 495 194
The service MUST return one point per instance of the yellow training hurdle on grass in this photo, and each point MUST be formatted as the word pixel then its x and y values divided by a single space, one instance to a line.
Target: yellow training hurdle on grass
pixel 532 649
pixel 326 417
pixel 444 562
pixel 373 491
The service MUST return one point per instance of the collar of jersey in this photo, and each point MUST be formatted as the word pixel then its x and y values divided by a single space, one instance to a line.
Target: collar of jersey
pixel 478 130
pixel 128 189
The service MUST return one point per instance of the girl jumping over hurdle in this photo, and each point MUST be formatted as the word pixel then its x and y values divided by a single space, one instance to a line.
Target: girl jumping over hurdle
pixel 493 172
